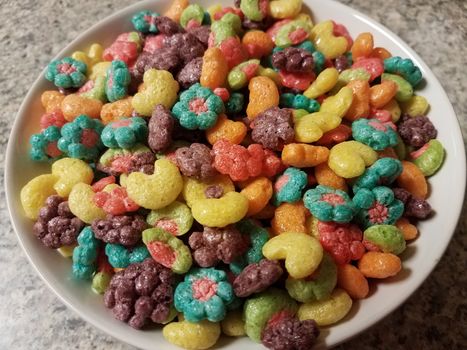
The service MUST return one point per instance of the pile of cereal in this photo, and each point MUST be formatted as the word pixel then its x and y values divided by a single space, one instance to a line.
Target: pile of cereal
pixel 235 170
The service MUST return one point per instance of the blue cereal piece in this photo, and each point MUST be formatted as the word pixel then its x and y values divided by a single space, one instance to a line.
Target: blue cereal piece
pixel 289 186
pixel 405 68
pixel 66 73
pixel 382 172
pixel 81 138
pixel 374 133
pixel 85 255
pixel 117 80
pixel 377 206
pixel 299 101
pixel 44 145
pixel 121 257
pixel 328 204
pixel 125 133
pixel 145 22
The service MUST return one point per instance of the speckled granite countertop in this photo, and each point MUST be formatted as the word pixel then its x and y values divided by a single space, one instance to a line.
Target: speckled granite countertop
pixel 32 317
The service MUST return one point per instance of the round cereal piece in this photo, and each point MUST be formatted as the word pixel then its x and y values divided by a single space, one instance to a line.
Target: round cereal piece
pixel 429 158
pixel 176 218
pixel 194 336
pixel 167 250
pixel 327 311
pixel 100 282
pixel 416 131
pixel 233 324
pixel 259 309
pixel 328 204
pixel 289 186
pixel 117 81
pixel 384 238
pixel 204 294
pixel 414 207
pixel 301 252
pixel 34 194
pixel 317 286
pixel 379 265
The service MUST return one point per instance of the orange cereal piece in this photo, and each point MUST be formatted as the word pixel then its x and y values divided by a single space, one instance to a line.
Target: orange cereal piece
pixel 266 214
pixel 409 231
pixel 379 265
pixel 352 281
pixel 51 100
pixel 74 105
pixel 381 94
pixel 327 177
pixel 258 192
pixel 301 155
pixel 381 53
pixel 360 107
pixel 263 95
pixel 413 180
pixel 289 217
pixel 215 68
pixel 362 46
pixel 257 43
pixel 176 8
pixel 115 110
pixel 226 129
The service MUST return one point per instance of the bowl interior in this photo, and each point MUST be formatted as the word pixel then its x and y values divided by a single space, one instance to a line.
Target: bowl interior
pixel 419 259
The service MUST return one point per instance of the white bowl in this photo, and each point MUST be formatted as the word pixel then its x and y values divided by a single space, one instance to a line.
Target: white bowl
pixel 447 191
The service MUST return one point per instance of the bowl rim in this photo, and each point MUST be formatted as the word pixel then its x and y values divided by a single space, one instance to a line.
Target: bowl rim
pixel 457 135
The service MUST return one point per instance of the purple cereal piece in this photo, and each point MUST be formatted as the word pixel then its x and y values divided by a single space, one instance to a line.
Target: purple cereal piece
pixel 341 63
pixel 264 24
pixel 201 33
pixel 273 128
pixel 56 226
pixel 120 229
pixel 191 73
pixel 186 45
pixel 214 191
pixel 289 333
pixel 413 207
pixel 416 131
pixel 140 293
pixel 167 26
pixel 294 60
pixel 165 58
pixel 257 277
pixel 161 126
pixel 217 244
pixel 195 161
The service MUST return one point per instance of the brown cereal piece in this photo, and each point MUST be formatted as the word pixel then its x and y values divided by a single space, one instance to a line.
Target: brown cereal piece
pixel 294 60
pixel 413 207
pixel 217 244
pixel 165 58
pixel 195 161
pixel 416 131
pixel 201 33
pixel 160 126
pixel 191 73
pixel 273 128
pixel 257 277
pixel 186 45
pixel 167 26
pixel 56 226
pixel 141 293
pixel 120 229
pixel 214 191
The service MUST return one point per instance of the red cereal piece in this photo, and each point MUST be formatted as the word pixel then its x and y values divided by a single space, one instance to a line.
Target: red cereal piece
pixel 98 186
pixel 334 136
pixel 341 30
pixel 154 42
pixel 300 81
pixel 218 15
pixel 166 256
pixel 233 51
pixel 374 66
pixel 122 49
pixel 223 93
pixel 382 115
pixel 272 31
pixel 54 118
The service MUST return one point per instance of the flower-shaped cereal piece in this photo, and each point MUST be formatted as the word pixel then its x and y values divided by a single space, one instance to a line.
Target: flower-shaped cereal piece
pixel 405 68
pixel 44 144
pixel 328 204
pixel 145 21
pixel 81 138
pixel 66 73
pixel 204 294
pixel 198 108
pixel 85 254
pixel 382 172
pixel 377 206
pixel 117 81
pixel 374 133
pixel 120 256
pixel 289 186
pixel 125 133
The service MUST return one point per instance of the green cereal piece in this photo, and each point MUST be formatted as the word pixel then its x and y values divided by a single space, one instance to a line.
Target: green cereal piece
pixel 299 101
pixel 237 78
pixel 222 31
pixel 282 37
pixel 144 21
pixel 400 148
pixel 316 287
pixel 112 153
pixel 387 238
pixel 430 157
pixel 117 80
pixel 175 218
pixel 348 75
pixel 233 21
pixel 319 60
pixel 97 90
pixel 235 103
pixel 192 12
pixel 121 257
pixel 382 172
pixel 404 89
pixel 299 114
pixel 167 250
pixel 100 282
pixel 66 73
pixel 405 68
pixel 251 10
pixel 259 309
